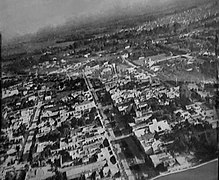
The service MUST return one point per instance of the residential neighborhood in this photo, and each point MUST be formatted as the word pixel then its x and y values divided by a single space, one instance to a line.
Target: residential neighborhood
pixel 135 103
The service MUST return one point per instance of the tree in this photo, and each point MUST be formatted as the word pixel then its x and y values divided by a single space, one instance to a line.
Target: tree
pixel 106 111
pixel 106 142
pixel 113 159
pixel 109 173
pixel 101 173
pixel 17 148
pixel 10 175
pixel 93 175
pixel 22 175
pixel 161 167
pixel 156 135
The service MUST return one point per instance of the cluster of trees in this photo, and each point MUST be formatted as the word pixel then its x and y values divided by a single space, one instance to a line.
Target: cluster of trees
pixel 104 97
pixel 51 136
pixel 88 118
pixel 126 150
pixel 20 66
pixel 76 84
pixel 208 68
pixel 200 139
pixel 96 83
pixel 20 175
pixel 65 156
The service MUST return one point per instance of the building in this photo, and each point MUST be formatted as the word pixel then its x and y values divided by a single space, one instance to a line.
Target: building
pixel 165 158
pixel 85 106
pixel 159 126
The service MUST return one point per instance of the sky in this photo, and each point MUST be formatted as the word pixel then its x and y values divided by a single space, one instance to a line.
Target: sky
pixel 24 16
pixel 19 17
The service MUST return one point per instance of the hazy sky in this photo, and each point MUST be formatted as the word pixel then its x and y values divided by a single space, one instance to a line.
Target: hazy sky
pixel 23 16
pixel 18 17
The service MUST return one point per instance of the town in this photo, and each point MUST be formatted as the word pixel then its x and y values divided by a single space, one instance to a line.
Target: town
pixel 131 104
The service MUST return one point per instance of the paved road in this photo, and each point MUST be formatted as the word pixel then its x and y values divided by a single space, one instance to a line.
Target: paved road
pixel 33 118
pixel 109 135
pixel 128 62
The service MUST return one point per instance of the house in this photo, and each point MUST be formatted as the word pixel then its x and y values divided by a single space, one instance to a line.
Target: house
pixel 158 126
pixel 146 139
pixel 63 61
pixel 32 98
pixel 131 70
pixel 194 106
pixel 156 146
pixel 145 117
pixel 8 93
pixel 85 105
pixel 143 76
pixel 184 114
pixel 165 158
pixel 47 98
pixel 155 68
pixel 39 173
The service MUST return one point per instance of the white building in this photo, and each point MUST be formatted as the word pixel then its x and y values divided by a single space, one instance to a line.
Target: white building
pixel 142 76
pixel 85 105
pixel 8 93
pixel 158 126
pixel 140 118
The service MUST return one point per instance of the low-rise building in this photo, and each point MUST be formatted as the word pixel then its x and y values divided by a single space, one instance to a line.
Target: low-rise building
pixel 159 126
pixel 84 106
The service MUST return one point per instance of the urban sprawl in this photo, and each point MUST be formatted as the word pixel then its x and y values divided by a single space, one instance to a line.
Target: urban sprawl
pixel 131 104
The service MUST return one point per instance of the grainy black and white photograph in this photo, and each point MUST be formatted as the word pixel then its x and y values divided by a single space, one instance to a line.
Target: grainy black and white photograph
pixel 109 89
